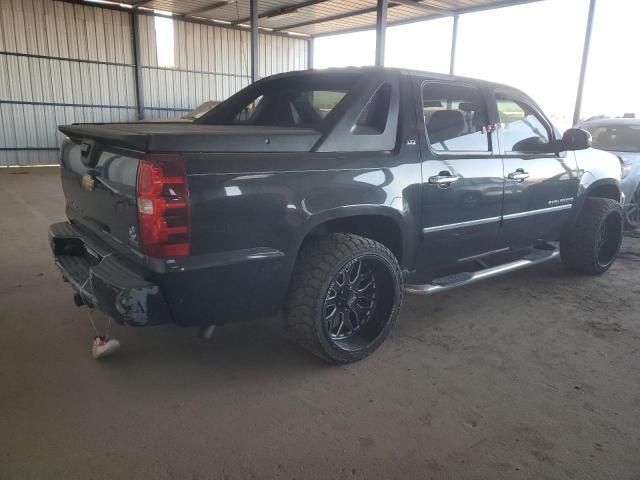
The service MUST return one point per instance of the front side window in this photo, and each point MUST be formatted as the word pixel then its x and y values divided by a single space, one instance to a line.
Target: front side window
pixel 523 130
pixel 455 117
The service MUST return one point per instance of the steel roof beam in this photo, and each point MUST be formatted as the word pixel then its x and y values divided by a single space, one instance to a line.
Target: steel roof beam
pixel 429 7
pixel 212 6
pixel 435 11
pixel 332 18
pixel 422 18
pixel 140 3
pixel 282 10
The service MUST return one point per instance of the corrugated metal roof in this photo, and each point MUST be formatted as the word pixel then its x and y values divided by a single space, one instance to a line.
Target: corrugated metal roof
pixel 320 17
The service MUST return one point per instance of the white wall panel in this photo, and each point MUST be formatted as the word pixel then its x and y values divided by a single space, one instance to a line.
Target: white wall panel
pixel 210 63
pixel 64 63
pixel 56 84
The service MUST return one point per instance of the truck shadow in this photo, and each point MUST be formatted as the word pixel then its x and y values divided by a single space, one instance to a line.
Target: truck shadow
pixel 258 349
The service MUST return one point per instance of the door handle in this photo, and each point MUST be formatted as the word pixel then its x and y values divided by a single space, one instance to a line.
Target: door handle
pixel 519 175
pixel 443 179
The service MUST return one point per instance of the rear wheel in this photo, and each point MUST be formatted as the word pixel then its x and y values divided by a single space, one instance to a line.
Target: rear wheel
pixel 632 210
pixel 594 241
pixel 345 296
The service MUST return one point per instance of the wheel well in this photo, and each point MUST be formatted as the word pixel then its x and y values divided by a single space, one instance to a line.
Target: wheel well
pixel 606 191
pixel 377 227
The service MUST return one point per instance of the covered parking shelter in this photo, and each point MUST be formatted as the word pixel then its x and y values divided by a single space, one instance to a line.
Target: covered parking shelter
pixel 533 375
pixel 65 61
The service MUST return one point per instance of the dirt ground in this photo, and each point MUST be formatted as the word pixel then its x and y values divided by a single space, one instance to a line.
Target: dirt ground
pixel 532 375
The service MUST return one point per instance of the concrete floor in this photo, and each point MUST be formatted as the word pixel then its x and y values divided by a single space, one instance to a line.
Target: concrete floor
pixel 534 375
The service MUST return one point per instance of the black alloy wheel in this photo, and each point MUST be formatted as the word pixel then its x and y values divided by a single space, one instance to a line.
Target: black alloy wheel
pixel 592 243
pixel 344 298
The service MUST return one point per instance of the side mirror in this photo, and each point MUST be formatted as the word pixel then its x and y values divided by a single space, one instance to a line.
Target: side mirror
pixel 576 139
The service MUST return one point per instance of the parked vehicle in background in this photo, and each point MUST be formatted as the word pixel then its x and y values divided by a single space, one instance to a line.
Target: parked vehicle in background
pixel 200 110
pixel 621 136
pixel 326 195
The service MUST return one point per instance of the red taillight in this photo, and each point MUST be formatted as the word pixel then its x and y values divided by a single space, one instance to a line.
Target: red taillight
pixel 163 206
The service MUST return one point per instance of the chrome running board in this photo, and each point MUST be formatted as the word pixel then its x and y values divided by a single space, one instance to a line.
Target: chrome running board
pixel 460 279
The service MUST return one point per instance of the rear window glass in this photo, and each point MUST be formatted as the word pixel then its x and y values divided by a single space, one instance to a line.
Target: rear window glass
pixel 296 101
pixel 293 108
pixel 616 138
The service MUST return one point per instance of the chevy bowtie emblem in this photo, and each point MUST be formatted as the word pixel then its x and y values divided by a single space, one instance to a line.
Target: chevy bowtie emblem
pixel 87 182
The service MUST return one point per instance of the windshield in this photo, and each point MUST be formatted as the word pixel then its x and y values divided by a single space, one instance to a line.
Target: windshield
pixel 616 138
pixel 292 101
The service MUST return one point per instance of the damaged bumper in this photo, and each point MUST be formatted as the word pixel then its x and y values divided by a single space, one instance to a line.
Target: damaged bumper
pixel 104 281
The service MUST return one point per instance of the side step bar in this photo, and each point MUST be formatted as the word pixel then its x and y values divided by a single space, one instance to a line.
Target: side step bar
pixel 467 278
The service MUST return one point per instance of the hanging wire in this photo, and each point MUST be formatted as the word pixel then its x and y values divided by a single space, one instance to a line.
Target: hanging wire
pixel 90 281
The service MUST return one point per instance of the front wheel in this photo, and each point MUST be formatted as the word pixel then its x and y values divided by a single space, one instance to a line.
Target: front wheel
pixel 594 241
pixel 344 298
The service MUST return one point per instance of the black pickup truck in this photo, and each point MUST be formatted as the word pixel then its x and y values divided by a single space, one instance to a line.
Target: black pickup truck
pixel 327 194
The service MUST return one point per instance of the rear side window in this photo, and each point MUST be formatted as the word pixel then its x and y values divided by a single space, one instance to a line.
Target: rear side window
pixel 455 117
pixel 523 129
pixel 373 118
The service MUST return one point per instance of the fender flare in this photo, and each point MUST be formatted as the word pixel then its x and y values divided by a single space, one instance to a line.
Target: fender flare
pixel 585 191
pixel 402 222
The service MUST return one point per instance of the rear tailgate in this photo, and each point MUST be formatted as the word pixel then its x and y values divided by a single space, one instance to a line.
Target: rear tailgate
pixel 99 183
pixel 100 167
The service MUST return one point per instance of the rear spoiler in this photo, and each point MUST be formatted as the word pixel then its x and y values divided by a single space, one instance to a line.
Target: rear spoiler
pixel 105 135
pixel 184 137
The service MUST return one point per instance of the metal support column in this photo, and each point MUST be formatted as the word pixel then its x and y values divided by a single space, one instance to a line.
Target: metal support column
pixel 137 77
pixel 454 44
pixel 253 11
pixel 585 61
pixel 310 53
pixel 381 29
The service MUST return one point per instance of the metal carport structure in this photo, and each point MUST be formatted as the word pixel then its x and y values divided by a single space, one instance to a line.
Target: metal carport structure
pixel 97 60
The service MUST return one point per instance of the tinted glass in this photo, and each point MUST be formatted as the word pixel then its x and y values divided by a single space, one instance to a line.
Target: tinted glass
pixel 522 128
pixel 616 138
pixel 322 101
pixel 247 112
pixel 455 117
pixel 373 118
pixel 290 109
pixel 289 101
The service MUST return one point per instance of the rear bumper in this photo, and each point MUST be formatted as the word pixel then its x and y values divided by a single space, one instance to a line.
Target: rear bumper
pixel 218 288
pixel 103 281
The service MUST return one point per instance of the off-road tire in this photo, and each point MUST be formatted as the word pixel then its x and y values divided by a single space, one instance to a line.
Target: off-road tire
pixel 314 275
pixel 581 249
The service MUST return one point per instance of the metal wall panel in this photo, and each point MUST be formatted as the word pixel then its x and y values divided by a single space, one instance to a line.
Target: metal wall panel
pixel 59 63
pixel 63 63
pixel 210 63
